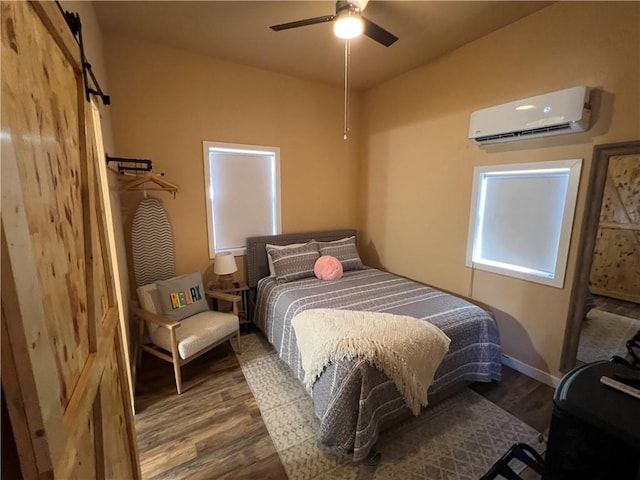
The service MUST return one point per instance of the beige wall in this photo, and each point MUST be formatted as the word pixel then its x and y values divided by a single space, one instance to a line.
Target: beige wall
pixel 417 162
pixel 166 102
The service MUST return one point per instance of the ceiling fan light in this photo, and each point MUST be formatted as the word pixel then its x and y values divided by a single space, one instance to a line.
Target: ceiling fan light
pixel 348 25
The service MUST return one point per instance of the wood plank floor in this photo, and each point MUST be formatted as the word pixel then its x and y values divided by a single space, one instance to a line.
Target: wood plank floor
pixel 619 307
pixel 214 429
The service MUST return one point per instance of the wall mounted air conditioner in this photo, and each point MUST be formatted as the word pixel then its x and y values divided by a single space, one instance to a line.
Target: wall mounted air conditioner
pixel 555 113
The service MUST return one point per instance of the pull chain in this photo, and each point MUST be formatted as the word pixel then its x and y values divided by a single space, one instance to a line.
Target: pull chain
pixel 347 54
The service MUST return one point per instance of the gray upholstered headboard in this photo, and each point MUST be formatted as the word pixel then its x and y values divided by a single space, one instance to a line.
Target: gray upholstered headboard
pixel 257 264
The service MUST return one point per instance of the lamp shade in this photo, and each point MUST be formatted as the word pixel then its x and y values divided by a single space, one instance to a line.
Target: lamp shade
pixel 225 264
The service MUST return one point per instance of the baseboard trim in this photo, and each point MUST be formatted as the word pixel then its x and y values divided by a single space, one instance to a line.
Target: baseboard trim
pixel 530 371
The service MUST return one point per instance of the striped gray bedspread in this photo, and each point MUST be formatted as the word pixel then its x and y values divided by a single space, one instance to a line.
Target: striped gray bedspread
pixel 353 400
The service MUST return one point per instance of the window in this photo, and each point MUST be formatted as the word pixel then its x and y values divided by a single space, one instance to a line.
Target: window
pixel 521 219
pixel 242 194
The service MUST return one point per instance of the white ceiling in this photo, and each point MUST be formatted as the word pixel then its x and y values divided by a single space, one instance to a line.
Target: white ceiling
pixel 238 31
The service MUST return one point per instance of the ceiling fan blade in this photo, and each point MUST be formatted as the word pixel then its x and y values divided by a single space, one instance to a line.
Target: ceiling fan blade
pixel 302 23
pixel 377 33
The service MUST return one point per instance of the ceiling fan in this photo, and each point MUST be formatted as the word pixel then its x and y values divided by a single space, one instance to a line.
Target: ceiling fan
pixel 348 23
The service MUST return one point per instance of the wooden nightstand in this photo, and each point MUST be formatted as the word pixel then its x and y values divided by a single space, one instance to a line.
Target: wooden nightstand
pixel 240 289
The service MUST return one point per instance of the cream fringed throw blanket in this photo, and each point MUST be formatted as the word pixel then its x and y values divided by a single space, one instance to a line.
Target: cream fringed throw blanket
pixel 406 349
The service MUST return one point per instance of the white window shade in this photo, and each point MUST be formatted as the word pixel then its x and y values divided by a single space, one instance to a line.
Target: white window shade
pixel 529 234
pixel 243 194
pixel 521 219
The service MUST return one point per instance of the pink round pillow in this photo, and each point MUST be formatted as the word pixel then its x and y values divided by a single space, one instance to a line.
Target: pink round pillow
pixel 328 268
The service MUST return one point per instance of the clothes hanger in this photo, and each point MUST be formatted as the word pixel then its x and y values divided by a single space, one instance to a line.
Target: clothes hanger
pixel 139 183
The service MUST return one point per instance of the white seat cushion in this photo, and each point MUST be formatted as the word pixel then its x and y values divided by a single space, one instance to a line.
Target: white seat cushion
pixel 197 332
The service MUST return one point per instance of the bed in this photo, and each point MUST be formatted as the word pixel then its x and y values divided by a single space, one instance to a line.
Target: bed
pixel 353 400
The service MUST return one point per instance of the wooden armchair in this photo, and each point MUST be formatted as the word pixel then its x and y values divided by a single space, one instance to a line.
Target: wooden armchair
pixel 179 342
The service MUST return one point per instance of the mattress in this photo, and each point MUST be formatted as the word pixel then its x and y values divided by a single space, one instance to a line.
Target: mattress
pixel 353 400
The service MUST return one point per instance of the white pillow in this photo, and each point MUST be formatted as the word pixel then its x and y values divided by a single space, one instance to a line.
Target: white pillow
pixel 150 300
pixel 278 247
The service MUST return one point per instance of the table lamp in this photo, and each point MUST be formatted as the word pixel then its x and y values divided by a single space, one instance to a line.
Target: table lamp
pixel 224 266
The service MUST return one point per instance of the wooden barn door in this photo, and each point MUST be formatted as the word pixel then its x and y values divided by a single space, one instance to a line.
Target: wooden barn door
pixel 63 372
pixel 615 271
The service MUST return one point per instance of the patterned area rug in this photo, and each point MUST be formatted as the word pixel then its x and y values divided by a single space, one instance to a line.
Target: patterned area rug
pixel 605 334
pixel 459 439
